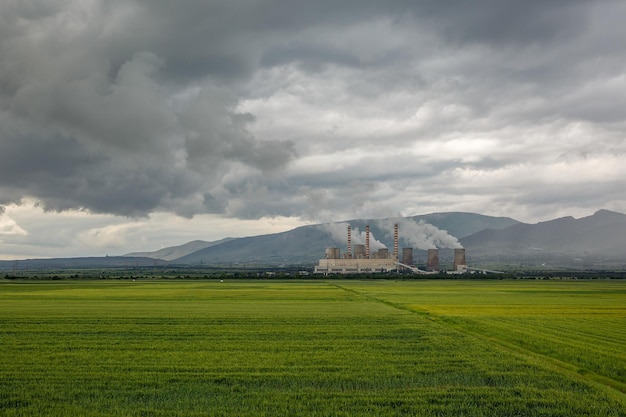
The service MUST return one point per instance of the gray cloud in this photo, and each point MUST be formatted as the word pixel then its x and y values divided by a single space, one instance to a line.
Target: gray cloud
pixel 313 109
pixel 91 122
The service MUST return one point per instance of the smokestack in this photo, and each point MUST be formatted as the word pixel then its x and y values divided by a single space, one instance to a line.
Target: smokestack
pixel 459 259
pixel 367 241
pixel 407 256
pixel 432 264
pixel 349 254
pixel 395 241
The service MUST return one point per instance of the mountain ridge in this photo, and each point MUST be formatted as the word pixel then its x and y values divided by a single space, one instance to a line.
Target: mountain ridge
pixel 307 244
pixel 601 235
pixel 596 239
pixel 173 252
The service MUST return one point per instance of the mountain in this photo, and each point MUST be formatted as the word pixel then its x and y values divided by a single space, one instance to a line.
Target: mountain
pixel 298 246
pixel 594 241
pixel 599 237
pixel 307 244
pixel 174 252
pixel 457 224
pixel 77 263
pixel 461 225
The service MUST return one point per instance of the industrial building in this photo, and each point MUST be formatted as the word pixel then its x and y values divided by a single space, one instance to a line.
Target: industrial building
pixel 459 265
pixel 432 262
pixel 361 260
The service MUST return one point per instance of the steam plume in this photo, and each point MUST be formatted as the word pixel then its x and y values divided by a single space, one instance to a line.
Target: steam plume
pixel 338 233
pixel 421 235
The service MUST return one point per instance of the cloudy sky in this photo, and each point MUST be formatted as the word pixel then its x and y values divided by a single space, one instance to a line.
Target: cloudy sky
pixel 132 125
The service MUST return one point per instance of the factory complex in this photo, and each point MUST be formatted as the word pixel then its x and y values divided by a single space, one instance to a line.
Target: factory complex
pixel 361 260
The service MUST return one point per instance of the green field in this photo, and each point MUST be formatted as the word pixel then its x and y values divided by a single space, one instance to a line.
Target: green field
pixel 313 348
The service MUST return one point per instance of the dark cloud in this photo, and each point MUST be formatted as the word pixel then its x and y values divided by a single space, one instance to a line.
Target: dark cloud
pixel 95 124
pixel 505 22
pixel 128 107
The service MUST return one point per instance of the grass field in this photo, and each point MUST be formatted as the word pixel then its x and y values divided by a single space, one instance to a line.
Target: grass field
pixel 315 348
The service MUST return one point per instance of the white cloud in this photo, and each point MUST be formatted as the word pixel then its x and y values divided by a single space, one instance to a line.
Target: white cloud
pixel 8 227
pixel 81 233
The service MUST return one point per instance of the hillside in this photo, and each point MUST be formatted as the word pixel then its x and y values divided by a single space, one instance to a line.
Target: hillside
pixel 599 237
pixel 298 246
pixel 306 244
pixel 77 263
pixel 465 224
pixel 174 252
pixel 595 241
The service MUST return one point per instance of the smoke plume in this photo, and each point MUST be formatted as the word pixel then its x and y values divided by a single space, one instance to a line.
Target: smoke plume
pixel 339 233
pixel 359 237
pixel 421 235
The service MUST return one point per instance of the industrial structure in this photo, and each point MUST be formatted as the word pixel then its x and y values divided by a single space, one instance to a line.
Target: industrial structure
pixel 459 265
pixel 362 260
pixel 432 261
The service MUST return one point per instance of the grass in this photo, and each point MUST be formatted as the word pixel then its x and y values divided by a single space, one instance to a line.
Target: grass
pixel 317 348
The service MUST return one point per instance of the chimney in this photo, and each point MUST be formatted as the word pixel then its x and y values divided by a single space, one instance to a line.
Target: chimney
pixel 349 254
pixel 459 259
pixel 432 264
pixel 395 241
pixel 367 241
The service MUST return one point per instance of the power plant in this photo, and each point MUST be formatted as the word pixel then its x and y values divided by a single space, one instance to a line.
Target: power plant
pixel 362 260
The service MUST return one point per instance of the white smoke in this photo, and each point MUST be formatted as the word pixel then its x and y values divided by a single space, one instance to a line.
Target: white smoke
pixel 421 235
pixel 339 233
pixel 358 238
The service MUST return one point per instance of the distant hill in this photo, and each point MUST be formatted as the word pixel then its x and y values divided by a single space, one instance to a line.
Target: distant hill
pixel 595 238
pixel 298 246
pixel 461 225
pixel 174 252
pixel 76 263
pixel 307 244
pixel 594 241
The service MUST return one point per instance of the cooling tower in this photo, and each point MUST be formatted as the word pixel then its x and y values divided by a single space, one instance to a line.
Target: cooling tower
pixel 359 251
pixel 407 256
pixel 383 253
pixel 395 241
pixel 432 264
pixel 459 259
pixel 332 253
pixel 367 241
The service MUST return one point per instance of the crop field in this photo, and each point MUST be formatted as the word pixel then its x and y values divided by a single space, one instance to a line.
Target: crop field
pixel 313 348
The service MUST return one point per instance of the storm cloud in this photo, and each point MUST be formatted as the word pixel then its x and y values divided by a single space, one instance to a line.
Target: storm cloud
pixel 312 110
pixel 99 112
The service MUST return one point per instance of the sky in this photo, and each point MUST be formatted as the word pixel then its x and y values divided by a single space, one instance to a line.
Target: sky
pixel 133 125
